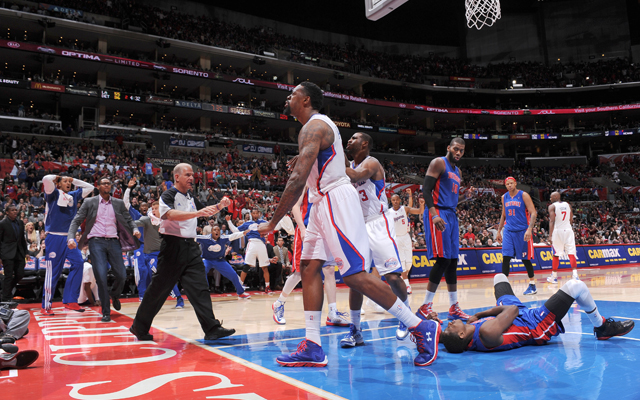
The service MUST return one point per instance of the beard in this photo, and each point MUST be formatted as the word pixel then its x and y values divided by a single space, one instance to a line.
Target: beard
pixel 287 110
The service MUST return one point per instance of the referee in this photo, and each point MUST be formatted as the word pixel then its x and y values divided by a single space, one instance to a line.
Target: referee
pixel 180 258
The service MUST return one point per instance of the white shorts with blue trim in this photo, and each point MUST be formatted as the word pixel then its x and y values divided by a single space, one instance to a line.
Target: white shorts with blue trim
pixel 337 230
pixel 384 251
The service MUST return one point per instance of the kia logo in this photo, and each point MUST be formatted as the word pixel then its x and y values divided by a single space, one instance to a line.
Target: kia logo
pixel 13 44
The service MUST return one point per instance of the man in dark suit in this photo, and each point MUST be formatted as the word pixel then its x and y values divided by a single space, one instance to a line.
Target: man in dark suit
pixel 13 249
pixel 109 230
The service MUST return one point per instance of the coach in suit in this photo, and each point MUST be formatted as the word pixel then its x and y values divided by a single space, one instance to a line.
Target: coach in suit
pixel 13 249
pixel 109 231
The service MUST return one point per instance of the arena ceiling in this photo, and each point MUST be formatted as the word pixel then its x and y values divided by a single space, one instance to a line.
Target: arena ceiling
pixel 432 22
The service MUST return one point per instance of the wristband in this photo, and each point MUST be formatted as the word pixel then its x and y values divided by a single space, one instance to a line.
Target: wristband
pixel 434 217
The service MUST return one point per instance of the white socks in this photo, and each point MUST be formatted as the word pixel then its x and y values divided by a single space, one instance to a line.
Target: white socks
pixel 406 282
pixel 291 282
pixel 312 321
pixel 333 308
pixel 428 297
pixel 404 314
pixel 355 318
pixel 453 298
pixel 579 291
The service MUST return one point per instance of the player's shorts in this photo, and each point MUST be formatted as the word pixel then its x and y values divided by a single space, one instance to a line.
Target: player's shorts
pixel 256 250
pixel 540 321
pixel 405 249
pixel 563 242
pixel 442 244
pixel 513 245
pixel 337 230
pixel 297 253
pixel 384 251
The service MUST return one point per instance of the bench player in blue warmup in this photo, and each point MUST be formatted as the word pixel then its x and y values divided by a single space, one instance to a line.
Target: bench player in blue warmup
pixel 256 249
pixel 61 208
pixel 518 218
pixel 214 248
pixel 145 262
pixel 511 324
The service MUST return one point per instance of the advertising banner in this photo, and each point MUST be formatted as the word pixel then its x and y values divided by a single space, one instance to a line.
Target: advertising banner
pixel 188 104
pixel 159 100
pixel 187 143
pixel 48 86
pixel 265 114
pixel 598 256
pixel 252 148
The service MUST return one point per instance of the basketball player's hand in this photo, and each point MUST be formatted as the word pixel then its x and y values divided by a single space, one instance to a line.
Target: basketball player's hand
pixel 434 316
pixel 408 190
pixel 303 233
pixel 225 202
pixel 132 183
pixel 266 227
pixel 527 235
pixel 499 237
pixel 137 234
pixel 440 224
pixel 421 201
pixel 292 163
pixel 472 319
pixel 72 244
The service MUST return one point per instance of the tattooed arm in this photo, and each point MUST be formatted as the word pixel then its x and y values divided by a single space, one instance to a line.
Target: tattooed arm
pixel 316 135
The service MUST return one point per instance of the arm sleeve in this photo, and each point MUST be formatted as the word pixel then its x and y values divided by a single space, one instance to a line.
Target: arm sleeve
pixel 429 184
pixel 87 188
pixel 166 202
pixel 125 198
pixel 48 184
pixel 233 236
pixel 233 228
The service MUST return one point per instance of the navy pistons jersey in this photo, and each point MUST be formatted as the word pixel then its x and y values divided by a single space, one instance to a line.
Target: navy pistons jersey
pixel 328 171
pixel 214 249
pixel 516 213
pixel 373 199
pixel 532 327
pixel 445 193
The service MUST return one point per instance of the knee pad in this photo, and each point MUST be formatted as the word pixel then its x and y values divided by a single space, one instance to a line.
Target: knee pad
pixel 500 278
pixel 574 288
pixel 451 273
pixel 438 270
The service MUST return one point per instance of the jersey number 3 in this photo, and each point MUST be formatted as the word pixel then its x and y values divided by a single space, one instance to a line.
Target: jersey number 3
pixel 364 195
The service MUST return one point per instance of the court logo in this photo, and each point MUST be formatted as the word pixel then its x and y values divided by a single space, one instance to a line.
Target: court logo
pixel 137 254
pixel 52 255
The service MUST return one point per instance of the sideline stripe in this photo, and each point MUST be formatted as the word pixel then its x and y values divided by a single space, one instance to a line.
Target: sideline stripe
pixel 615 316
pixel 294 382
pixel 591 334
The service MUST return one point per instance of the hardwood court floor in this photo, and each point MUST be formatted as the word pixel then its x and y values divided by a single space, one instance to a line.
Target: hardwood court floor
pixel 82 358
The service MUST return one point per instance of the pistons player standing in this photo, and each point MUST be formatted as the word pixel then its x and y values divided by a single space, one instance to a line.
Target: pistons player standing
pixel 441 233
pixel 519 215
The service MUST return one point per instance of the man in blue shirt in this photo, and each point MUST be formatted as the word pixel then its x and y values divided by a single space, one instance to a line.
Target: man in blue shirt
pixel 214 249
pixel 256 250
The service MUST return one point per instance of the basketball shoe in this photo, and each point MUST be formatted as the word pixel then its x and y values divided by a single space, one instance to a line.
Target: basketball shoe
pixel 308 354
pixel 426 336
pixel 611 328
pixel 337 319
pixel 353 338
pixel 455 312
pixel 531 289
pixel 278 313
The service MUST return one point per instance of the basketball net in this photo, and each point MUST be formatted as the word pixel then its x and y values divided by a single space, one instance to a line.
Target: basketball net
pixel 482 13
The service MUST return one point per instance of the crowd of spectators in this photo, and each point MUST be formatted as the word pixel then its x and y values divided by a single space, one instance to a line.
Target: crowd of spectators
pixel 211 31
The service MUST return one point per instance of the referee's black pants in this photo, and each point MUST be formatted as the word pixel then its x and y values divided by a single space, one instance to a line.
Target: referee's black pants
pixel 179 260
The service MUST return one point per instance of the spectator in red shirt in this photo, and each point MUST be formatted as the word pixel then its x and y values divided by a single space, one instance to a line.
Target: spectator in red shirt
pixel 469 236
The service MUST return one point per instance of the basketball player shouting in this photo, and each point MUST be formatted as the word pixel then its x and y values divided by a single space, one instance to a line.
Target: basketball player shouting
pixel 336 230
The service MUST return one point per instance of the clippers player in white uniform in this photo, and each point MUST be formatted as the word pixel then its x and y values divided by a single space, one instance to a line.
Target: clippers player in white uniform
pixel 336 229
pixel 367 175
pixel 399 214
pixel 562 237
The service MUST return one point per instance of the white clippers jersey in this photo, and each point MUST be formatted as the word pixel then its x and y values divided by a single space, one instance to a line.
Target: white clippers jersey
pixel 328 171
pixel 400 220
pixel 373 199
pixel 563 216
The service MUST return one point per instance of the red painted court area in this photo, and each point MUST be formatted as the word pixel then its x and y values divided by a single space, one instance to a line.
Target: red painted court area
pixel 83 358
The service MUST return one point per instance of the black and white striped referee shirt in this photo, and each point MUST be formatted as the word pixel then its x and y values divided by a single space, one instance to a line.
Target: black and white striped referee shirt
pixel 173 199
